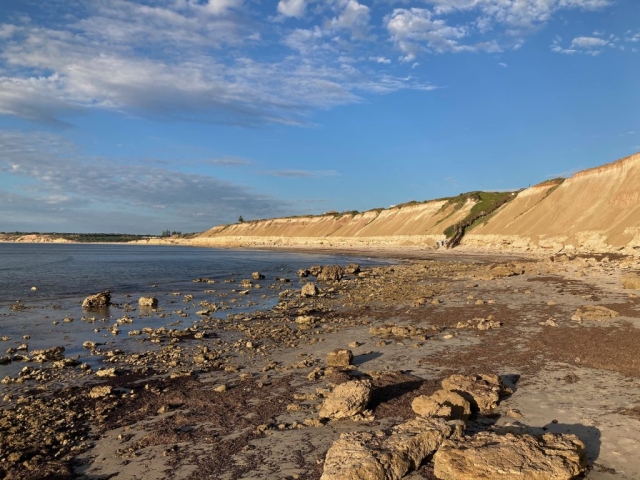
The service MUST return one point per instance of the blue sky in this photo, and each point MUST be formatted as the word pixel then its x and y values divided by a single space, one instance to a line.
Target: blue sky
pixel 138 116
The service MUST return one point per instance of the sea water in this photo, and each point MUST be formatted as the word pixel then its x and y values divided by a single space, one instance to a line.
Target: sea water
pixel 64 274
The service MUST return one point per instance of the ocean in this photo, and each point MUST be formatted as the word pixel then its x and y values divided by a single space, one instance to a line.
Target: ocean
pixel 64 274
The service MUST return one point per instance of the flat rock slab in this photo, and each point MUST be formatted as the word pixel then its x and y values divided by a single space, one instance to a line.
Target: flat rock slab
pixel 489 456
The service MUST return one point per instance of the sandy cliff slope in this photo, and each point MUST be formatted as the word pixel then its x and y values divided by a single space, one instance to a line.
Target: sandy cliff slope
pixel 595 210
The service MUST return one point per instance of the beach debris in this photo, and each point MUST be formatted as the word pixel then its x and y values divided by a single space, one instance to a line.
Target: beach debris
pixel 340 357
pixel 148 302
pixel 347 400
pixel 488 455
pixel 102 299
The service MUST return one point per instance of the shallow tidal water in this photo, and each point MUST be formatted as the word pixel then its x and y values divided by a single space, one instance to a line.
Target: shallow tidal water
pixel 64 274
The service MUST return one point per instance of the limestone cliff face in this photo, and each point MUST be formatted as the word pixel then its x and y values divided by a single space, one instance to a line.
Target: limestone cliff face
pixel 596 209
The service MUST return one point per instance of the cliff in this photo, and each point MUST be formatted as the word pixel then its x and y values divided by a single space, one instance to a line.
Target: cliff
pixel 594 210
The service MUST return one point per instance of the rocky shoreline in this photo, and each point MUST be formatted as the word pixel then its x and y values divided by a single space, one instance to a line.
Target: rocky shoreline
pixel 256 394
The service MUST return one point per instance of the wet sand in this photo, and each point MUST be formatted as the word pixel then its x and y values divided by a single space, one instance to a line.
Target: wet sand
pixel 240 401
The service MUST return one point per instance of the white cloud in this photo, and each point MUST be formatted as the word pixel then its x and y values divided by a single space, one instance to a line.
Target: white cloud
pixel 219 7
pixel 380 60
pixel 502 64
pixel 292 8
pixel 416 29
pixel 586 45
pixel 168 60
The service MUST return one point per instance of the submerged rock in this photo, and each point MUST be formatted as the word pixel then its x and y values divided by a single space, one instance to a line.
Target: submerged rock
pixel 487 456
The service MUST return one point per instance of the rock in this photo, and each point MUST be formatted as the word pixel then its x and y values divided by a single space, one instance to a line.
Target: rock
pixel 257 276
pixel 549 322
pixel 489 456
pixel 482 391
pixel 6 360
pixel 34 289
pixel 377 456
pixel 340 357
pixel 98 300
pixel 309 290
pixel 631 281
pixel 220 388
pixel 306 319
pixel 315 270
pixel 594 312
pixel 488 323
pixel 442 403
pixel 303 273
pixel 508 270
pixel 89 345
pixel 50 354
pixel 347 399
pixel 107 372
pixel 148 302
pixel 331 273
pixel 352 269
pixel 101 391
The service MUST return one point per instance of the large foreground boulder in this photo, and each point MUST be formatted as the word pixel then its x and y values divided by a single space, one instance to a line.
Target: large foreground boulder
pixel 347 399
pixel 489 456
pixel 482 391
pixel 631 281
pixel 380 456
pixel 102 299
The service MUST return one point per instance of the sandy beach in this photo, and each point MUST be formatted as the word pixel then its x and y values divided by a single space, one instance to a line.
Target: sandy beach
pixel 239 397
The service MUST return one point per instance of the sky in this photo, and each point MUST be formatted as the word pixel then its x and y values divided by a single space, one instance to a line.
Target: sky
pixel 139 116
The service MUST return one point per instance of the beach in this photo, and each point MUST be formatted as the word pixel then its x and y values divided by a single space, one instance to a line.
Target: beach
pixel 237 396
